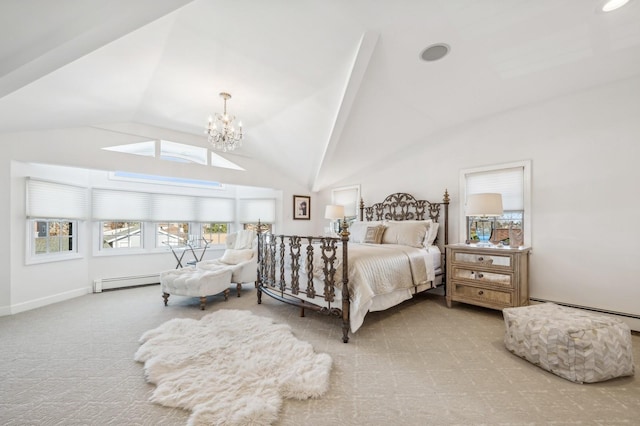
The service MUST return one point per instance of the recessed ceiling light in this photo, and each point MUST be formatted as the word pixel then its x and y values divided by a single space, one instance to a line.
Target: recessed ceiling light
pixel 435 52
pixel 613 5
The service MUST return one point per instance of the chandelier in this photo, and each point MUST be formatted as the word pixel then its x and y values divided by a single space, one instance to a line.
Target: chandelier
pixel 221 133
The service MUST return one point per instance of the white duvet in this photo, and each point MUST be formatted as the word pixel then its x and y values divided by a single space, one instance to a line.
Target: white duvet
pixel 380 276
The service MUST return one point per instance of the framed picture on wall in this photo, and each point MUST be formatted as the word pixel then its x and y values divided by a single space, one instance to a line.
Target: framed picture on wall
pixel 301 207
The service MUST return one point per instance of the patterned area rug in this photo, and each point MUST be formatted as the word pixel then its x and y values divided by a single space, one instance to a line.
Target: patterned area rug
pixel 231 367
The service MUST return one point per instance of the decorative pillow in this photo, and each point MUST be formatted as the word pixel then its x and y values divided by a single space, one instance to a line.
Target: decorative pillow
pixel 358 229
pixel 374 234
pixel 231 240
pixel 405 233
pixel 233 257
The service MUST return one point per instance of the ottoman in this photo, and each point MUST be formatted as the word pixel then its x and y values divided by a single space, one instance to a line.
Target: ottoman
pixel 572 343
pixel 192 282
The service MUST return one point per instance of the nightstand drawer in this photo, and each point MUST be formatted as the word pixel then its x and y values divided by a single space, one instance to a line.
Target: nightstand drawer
pixel 486 296
pixel 494 278
pixel 482 259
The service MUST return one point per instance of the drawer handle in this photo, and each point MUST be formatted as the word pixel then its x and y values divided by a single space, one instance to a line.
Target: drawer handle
pixel 479 275
pixel 480 259
pixel 480 293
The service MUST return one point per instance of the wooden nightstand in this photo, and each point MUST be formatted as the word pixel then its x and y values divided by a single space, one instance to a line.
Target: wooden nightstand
pixel 493 277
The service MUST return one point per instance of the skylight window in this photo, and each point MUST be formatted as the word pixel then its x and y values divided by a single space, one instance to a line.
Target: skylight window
pixel 177 152
pixel 146 149
pixel 219 161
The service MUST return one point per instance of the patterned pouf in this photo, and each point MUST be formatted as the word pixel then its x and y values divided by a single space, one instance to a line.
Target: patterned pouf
pixel 574 344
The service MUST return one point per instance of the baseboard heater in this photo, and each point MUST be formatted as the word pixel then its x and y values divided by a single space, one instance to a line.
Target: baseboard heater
pixel 587 308
pixel 102 284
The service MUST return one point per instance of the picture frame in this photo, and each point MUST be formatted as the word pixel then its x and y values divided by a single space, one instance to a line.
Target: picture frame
pixel 301 207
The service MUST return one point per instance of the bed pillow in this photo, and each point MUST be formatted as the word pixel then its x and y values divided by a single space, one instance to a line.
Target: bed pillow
pixel 432 234
pixel 374 234
pixel 432 230
pixel 234 257
pixel 358 230
pixel 406 233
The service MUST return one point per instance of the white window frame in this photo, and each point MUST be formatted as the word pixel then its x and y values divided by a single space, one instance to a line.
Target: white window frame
pixel 526 165
pixel 32 258
pixel 161 244
pixel 199 236
pixel 121 249
pixel 350 193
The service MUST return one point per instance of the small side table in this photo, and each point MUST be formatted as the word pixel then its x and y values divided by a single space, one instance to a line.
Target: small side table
pixel 493 277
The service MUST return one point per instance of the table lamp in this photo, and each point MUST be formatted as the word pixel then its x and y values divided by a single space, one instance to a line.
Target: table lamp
pixel 484 206
pixel 334 212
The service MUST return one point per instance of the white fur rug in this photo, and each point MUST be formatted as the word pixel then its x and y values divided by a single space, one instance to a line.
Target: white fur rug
pixel 230 368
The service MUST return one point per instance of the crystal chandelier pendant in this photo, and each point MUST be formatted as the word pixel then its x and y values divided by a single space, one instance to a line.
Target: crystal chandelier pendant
pixel 221 133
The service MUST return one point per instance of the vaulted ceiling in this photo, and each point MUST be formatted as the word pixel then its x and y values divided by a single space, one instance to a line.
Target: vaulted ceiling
pixel 324 88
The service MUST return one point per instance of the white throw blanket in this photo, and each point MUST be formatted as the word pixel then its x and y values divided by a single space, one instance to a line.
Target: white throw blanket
pixel 244 239
pixel 379 269
pixel 374 270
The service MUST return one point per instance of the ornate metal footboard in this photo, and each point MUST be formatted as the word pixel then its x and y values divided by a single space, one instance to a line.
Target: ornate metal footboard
pixel 291 268
pixel 301 271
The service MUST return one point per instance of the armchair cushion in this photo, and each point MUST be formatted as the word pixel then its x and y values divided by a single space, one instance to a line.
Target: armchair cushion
pixel 234 257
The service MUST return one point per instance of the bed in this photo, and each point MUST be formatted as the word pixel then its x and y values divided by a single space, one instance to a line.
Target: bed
pixel 394 250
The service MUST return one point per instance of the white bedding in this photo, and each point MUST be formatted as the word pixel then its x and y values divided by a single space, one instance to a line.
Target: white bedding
pixel 380 276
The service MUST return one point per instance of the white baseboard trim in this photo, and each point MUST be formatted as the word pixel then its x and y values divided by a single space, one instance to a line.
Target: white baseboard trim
pixel 5 310
pixel 101 284
pixel 48 300
pixel 632 320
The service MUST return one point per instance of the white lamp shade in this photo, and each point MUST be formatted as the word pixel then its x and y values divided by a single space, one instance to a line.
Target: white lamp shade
pixel 487 204
pixel 333 211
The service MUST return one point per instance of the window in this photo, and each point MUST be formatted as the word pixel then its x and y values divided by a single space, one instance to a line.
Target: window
pixel 264 227
pixel 53 212
pixel 53 236
pixel 513 181
pixel 349 197
pixel 175 220
pixel 172 234
pixel 214 233
pixel 254 210
pixel 121 235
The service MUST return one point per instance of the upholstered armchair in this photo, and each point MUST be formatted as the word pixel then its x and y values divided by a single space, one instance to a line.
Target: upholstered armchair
pixel 240 256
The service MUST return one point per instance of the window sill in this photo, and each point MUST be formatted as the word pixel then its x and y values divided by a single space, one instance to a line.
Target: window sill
pixel 49 258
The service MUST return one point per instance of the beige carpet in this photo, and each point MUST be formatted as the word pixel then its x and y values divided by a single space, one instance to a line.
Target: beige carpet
pixel 418 364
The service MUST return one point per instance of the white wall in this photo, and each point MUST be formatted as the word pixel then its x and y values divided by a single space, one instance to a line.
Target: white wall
pixel 75 156
pixel 40 284
pixel 5 248
pixel 584 150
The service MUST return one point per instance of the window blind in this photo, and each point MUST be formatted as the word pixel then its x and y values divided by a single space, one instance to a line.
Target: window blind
pixel 50 200
pixel 508 182
pixel 173 208
pixel 112 205
pixel 215 210
pixel 253 209
pixel 347 197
